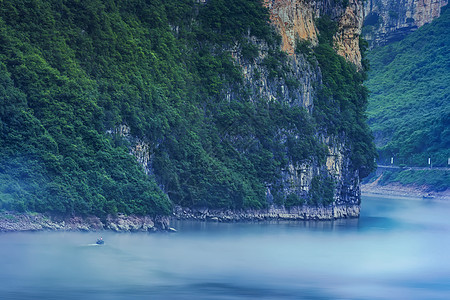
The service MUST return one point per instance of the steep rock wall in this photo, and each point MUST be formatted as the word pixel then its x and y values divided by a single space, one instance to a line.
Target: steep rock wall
pixel 295 19
pixel 388 20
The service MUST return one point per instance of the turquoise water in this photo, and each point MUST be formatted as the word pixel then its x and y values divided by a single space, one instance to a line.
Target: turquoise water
pixel 398 249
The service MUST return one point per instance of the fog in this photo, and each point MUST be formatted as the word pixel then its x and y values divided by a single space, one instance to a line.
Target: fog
pixel 397 249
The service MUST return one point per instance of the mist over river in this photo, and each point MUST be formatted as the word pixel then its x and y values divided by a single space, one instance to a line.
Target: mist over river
pixel 397 249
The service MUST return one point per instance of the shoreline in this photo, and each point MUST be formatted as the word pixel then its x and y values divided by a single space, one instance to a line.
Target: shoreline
pixel 15 222
pixel 403 191
pixel 273 213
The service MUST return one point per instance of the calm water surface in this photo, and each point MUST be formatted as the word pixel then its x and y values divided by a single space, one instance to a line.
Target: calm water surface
pixel 398 249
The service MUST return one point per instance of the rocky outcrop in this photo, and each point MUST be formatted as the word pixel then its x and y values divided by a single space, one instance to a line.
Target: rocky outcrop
pixel 295 19
pixel 272 213
pixel 390 20
pixel 338 164
pixel 347 37
pixel 11 221
pixel 261 85
pixel 139 147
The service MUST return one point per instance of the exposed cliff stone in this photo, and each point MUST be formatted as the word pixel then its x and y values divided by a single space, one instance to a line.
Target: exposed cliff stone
pixel 139 148
pixel 390 20
pixel 347 37
pixel 272 213
pixel 339 165
pixel 260 84
pixel 295 19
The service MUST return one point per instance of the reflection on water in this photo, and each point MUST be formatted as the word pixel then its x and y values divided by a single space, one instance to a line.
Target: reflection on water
pixel 396 250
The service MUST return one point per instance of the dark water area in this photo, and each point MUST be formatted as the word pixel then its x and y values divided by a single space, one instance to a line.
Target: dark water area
pixel 397 249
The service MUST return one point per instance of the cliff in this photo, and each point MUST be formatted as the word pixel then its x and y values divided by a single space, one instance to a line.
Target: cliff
pixel 296 22
pixel 387 21
pixel 295 19
pixel 224 104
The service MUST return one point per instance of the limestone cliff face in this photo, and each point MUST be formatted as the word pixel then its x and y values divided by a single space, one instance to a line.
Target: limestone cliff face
pixel 261 84
pixel 347 38
pixel 139 147
pixel 390 20
pixel 295 20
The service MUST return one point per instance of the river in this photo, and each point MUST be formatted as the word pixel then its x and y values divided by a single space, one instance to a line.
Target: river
pixel 397 249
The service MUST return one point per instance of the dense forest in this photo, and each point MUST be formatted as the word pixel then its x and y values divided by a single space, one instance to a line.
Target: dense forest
pixel 73 71
pixel 409 105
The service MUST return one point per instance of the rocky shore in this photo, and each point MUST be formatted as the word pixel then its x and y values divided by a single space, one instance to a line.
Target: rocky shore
pixel 12 221
pixel 403 191
pixel 272 213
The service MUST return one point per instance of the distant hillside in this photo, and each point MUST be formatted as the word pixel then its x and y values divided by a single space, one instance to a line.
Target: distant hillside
pixel 387 21
pixel 409 104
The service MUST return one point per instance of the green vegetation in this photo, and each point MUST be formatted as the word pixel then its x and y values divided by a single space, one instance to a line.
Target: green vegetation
pixel 409 105
pixel 342 100
pixel 91 177
pixel 434 180
pixel 73 71
pixel 409 108
pixel 322 190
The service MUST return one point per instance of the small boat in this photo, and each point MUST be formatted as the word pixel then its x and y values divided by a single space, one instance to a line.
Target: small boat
pixel 428 196
pixel 100 241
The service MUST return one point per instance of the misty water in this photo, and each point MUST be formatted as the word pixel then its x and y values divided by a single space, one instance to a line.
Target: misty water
pixel 398 249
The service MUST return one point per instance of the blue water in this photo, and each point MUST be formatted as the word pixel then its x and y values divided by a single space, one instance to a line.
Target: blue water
pixel 398 249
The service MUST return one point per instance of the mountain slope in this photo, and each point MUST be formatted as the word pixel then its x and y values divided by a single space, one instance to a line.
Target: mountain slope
pixel 86 83
pixel 409 106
